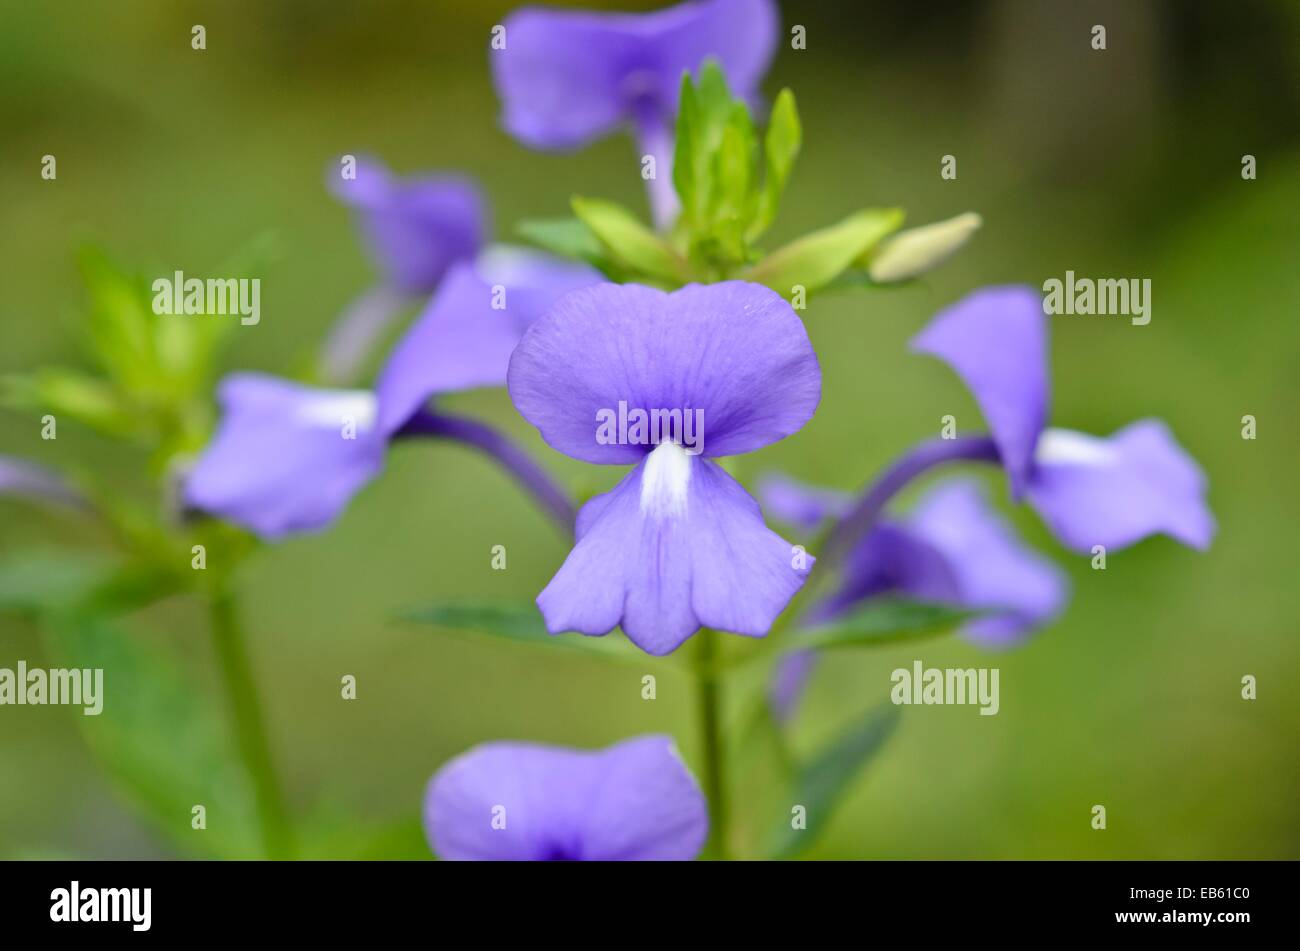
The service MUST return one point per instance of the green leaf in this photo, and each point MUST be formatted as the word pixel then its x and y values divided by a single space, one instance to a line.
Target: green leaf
pixel 733 198
pixel 816 259
pixel 823 780
pixel 164 746
pixel 781 148
pixel 567 237
pixel 39 582
pixel 886 620
pixel 68 393
pixel 918 250
pixel 120 318
pixel 704 112
pixel 522 623
pixel 629 242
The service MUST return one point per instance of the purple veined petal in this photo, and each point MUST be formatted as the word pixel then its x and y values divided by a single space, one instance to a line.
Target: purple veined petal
pixel 1117 490
pixel 796 503
pixel 634 800
pixel 677 545
pixel 733 358
pixel 992 569
pixel 24 479
pixel 417 227
pixel 996 341
pixel 566 77
pixel 464 337
pixel 280 461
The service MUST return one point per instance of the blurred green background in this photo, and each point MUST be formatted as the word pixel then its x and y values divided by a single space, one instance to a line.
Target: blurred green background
pixel 1122 163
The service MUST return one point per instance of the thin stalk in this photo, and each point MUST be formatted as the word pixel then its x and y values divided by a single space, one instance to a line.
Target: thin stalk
pixel 709 687
pixel 250 727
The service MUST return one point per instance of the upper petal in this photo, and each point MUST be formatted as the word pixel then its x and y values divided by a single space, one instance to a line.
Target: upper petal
pixel 645 805
pixel 740 34
pixel 466 334
pixel 996 340
pixel 281 460
pixel 1117 490
pixel 523 801
pixel 663 560
pixel 509 802
pixel 566 77
pixel 417 227
pixel 734 354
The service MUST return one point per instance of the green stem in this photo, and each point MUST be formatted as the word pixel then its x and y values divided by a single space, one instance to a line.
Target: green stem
pixel 250 726
pixel 708 680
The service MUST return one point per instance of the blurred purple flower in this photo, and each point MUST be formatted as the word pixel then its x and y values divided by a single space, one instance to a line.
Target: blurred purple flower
pixel 31 480
pixel 416 228
pixel 1111 491
pixel 567 77
pixel 634 801
pixel 677 544
pixel 288 458
pixel 952 548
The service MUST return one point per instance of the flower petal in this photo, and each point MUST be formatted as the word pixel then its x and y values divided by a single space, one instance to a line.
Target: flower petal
pixel 646 806
pixel 664 561
pixel 417 227
pixel 465 336
pixel 992 569
pixel 799 504
pixel 1117 490
pixel 736 354
pixel 528 802
pixel 567 77
pixel 953 549
pixel 996 341
pixel 279 462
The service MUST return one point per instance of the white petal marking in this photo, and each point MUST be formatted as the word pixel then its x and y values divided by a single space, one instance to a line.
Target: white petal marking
pixel 331 410
pixel 664 481
pixel 1068 446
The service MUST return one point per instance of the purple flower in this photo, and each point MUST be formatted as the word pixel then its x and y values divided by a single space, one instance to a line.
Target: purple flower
pixel 566 77
pixel 1111 491
pixel 950 549
pixel 677 544
pixel 416 228
pixel 288 458
pixel 23 479
pixel 634 801
pixel 464 338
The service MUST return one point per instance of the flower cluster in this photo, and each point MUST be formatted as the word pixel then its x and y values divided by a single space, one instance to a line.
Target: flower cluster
pixel 616 320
